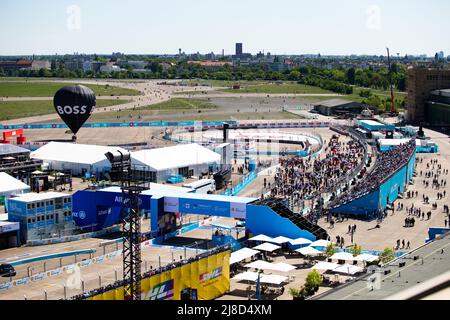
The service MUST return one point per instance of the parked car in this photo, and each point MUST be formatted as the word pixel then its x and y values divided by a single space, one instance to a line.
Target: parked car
pixel 7 270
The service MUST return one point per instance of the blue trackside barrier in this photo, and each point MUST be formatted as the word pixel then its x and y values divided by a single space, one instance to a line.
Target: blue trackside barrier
pixel 52 256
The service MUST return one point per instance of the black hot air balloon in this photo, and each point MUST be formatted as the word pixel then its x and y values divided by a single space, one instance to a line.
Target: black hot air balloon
pixel 74 104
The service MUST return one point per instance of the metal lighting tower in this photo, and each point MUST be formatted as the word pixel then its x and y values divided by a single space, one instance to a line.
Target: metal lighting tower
pixel 121 172
pixel 132 242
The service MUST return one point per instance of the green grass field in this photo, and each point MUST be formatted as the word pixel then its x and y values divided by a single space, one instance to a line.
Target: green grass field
pixel 19 109
pixel 173 106
pixel 224 83
pixel 48 89
pixel 279 89
pixel 179 103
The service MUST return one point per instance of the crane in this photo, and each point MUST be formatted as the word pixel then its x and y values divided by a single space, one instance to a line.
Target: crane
pixel 393 112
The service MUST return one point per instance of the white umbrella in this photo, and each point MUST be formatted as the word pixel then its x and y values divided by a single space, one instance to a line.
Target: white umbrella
pixel 343 256
pixel 261 237
pixel 300 241
pixel 247 276
pixel 285 267
pixel 348 269
pixel 309 251
pixel 264 265
pixel 273 279
pixel 320 243
pixel 366 257
pixel 325 266
pixel 280 240
pixel 242 254
pixel 267 247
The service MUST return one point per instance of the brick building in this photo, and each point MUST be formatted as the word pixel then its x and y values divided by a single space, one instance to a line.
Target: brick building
pixel 421 81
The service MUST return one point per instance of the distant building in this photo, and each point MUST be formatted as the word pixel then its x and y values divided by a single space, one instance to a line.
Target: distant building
pixel 437 108
pixel 41 64
pixel 109 68
pixel 239 49
pixel 421 81
pixel 73 65
pixel 16 65
pixel 335 107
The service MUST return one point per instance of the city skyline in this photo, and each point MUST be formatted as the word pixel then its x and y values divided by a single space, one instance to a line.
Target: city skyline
pixel 285 28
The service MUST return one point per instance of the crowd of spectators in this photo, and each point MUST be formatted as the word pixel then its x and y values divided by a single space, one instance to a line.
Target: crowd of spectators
pixel 386 165
pixel 153 272
pixel 306 178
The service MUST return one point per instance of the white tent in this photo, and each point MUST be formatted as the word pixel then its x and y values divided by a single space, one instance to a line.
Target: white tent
pixel 267 247
pixel 309 251
pixel 366 257
pixel 273 279
pixel 348 269
pixel 320 243
pixel 261 265
pixel 300 241
pixel 166 161
pixel 343 256
pixel 261 237
pixel 10 185
pixel 75 157
pixel 264 278
pixel 280 240
pixel 264 265
pixel 325 266
pixel 242 254
pixel 285 267
pixel 247 276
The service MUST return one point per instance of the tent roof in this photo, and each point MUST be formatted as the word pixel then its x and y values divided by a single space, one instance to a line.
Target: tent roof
pixel 320 243
pixel 32 197
pixel 343 256
pixel 309 251
pixel 273 279
pixel 300 241
pixel 264 278
pixel 247 276
pixel 73 153
pixel 261 237
pixel 366 257
pixel 348 269
pixel 7 149
pixel 242 254
pixel 264 265
pixel 182 155
pixel 267 247
pixel 9 184
pixel 325 266
pixel 280 240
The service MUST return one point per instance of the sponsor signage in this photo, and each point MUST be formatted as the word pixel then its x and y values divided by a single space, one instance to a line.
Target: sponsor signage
pixel 238 210
pixel 14 226
pixel 171 204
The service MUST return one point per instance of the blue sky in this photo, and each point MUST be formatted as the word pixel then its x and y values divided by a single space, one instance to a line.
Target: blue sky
pixel 279 27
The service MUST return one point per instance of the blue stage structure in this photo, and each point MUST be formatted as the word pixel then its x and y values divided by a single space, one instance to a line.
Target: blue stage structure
pixel 368 206
pixel 96 210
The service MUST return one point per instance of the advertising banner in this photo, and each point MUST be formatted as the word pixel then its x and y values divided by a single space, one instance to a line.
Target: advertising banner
pixel 238 210
pixel 171 205
pixel 209 278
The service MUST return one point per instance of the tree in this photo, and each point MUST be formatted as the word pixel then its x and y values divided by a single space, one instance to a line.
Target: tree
pixel 387 255
pixel 355 250
pixel 330 250
pixel 294 75
pixel 351 76
pixel 313 282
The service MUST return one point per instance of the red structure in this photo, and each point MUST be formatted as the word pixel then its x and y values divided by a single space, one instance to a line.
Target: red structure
pixel 21 139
